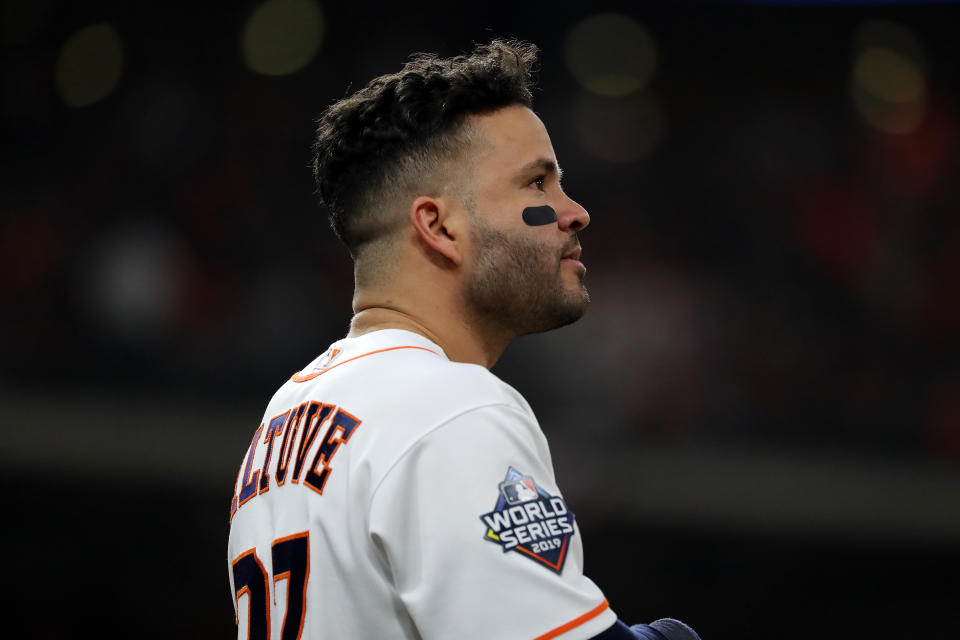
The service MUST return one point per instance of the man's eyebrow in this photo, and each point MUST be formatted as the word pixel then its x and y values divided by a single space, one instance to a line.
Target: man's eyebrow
pixel 543 164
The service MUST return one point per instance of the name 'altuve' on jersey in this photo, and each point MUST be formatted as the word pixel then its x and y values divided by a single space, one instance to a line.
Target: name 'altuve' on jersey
pixel 391 493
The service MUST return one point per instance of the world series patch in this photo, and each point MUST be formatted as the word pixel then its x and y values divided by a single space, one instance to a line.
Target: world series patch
pixel 530 521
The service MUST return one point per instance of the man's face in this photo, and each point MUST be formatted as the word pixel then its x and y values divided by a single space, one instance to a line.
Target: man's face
pixel 523 278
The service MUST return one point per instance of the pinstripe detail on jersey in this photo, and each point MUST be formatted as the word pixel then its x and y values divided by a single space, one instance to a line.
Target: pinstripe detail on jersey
pixel 576 622
pixel 310 376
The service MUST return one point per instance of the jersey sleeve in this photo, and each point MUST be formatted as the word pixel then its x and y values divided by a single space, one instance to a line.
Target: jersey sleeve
pixel 477 538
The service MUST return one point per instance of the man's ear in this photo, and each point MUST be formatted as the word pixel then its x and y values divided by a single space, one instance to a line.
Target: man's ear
pixel 440 225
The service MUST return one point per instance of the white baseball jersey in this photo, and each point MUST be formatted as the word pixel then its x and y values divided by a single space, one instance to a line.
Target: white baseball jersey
pixel 393 494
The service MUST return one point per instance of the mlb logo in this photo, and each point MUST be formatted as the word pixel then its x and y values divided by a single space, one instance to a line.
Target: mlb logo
pixel 324 361
pixel 530 521
pixel 518 491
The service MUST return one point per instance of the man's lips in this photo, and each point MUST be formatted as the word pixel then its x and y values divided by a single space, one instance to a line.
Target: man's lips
pixel 573 256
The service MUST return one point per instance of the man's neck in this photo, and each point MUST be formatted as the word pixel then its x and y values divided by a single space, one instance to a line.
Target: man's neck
pixel 459 340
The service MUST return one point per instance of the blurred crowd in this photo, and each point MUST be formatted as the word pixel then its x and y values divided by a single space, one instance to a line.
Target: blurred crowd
pixel 769 263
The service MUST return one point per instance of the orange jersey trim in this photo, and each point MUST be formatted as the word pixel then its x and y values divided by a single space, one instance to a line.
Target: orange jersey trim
pixel 299 378
pixel 576 622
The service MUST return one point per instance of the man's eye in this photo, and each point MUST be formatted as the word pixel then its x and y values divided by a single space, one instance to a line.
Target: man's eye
pixel 538 181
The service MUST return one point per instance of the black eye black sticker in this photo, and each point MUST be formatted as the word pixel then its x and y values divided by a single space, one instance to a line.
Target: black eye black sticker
pixel 538 216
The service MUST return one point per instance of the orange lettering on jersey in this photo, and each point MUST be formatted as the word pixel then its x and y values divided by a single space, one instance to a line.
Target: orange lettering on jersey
pixel 276 424
pixel 317 414
pixel 306 421
pixel 234 504
pixel 341 428
pixel 289 436
pixel 249 488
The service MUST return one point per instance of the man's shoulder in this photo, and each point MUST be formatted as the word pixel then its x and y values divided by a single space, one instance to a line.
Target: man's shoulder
pixel 399 374
pixel 400 392
pixel 413 379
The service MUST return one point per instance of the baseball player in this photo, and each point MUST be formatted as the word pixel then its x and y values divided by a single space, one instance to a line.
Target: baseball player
pixel 396 489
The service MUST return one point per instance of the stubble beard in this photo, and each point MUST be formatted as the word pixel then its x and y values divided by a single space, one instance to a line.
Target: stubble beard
pixel 518 287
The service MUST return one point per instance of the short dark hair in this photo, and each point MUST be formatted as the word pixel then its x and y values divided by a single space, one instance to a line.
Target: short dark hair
pixel 392 133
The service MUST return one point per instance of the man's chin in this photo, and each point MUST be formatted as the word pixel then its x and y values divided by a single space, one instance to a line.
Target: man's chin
pixel 578 300
pixel 564 312
pixel 577 307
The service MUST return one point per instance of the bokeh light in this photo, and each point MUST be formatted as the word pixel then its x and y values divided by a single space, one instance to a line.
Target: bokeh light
pixel 611 54
pixel 889 75
pixel 89 65
pixel 282 36
pixel 132 281
pixel 889 85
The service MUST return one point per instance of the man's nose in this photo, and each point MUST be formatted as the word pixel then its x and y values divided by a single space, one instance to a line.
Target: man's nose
pixel 571 216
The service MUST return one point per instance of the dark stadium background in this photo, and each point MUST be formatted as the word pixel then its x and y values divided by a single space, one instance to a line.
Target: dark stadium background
pixel 757 422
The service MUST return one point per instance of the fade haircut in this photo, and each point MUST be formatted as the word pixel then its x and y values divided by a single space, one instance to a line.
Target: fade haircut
pixel 389 140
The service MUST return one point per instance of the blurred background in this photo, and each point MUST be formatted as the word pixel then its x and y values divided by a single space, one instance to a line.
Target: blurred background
pixel 757 422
